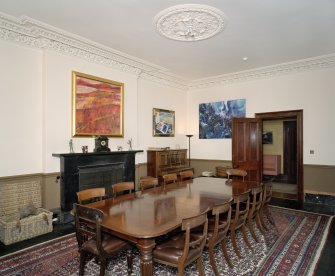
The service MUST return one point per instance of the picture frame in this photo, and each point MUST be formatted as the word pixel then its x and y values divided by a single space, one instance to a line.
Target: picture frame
pixel 97 106
pixel 267 137
pixel 215 118
pixel 163 123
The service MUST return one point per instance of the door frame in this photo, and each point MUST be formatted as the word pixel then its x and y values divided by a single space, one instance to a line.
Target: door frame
pixel 298 115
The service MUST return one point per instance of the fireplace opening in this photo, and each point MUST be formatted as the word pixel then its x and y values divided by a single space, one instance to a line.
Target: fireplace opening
pixel 102 175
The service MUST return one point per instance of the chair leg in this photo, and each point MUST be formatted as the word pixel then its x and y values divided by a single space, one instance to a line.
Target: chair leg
pixel 82 263
pixel 251 228
pixel 262 219
pixel 212 258
pixel 103 263
pixel 129 261
pixel 199 265
pixel 225 253
pixel 232 235
pixel 269 216
pixel 180 269
pixel 245 237
pixel 259 223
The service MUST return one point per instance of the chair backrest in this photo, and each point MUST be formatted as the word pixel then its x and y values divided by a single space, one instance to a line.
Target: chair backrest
pixel 222 224
pixel 170 178
pixel 121 187
pixel 267 192
pixel 186 175
pixel 149 182
pixel 194 224
pixel 88 225
pixel 242 203
pixel 256 198
pixel 93 193
pixel 236 173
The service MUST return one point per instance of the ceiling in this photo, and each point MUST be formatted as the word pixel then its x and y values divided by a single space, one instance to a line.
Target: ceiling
pixel 266 32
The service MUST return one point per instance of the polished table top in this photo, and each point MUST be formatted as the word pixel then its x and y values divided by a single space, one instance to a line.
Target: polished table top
pixel 141 217
pixel 158 211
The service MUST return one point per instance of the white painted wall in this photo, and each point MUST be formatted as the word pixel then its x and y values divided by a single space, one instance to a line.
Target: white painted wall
pixel 312 91
pixel 58 105
pixel 35 110
pixel 153 95
pixel 20 110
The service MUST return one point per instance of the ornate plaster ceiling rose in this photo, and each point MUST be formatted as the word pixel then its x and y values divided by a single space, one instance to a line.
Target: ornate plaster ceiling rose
pixel 190 22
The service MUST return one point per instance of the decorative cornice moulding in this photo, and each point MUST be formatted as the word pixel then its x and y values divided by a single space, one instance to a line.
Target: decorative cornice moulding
pixel 165 79
pixel 35 34
pixel 315 63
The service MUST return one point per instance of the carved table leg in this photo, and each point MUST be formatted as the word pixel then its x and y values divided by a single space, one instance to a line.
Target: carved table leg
pixel 146 246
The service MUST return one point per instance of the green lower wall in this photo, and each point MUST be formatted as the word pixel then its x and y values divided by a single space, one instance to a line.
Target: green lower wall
pixel 318 179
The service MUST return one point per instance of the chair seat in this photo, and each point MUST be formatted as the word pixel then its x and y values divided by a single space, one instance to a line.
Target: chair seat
pixel 171 251
pixel 109 244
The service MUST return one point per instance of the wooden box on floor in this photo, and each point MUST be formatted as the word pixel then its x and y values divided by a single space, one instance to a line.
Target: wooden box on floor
pixel 221 172
pixel 16 224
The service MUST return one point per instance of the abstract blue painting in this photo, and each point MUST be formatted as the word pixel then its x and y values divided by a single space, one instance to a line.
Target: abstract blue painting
pixel 215 118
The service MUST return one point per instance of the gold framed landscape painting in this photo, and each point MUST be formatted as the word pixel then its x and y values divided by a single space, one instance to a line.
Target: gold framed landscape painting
pixel 97 106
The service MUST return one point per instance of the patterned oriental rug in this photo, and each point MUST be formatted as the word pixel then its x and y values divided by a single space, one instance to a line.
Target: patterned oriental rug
pixel 292 247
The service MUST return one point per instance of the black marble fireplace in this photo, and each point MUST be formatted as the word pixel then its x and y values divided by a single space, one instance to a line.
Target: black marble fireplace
pixel 80 171
pixel 104 175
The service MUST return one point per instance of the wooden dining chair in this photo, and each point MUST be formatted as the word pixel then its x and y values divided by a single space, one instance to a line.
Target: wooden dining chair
pixel 240 211
pixel 218 234
pixel 148 182
pixel 121 187
pixel 183 249
pixel 170 178
pixel 90 194
pixel 254 210
pixel 236 173
pixel 92 242
pixel 264 211
pixel 218 226
pixel 185 175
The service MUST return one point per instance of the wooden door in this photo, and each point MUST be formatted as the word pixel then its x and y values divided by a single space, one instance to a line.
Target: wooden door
pixel 247 146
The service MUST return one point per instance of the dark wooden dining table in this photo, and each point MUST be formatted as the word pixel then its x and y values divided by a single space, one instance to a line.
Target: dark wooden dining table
pixel 142 217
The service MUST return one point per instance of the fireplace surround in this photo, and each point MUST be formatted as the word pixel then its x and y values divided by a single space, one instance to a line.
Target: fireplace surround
pixel 80 171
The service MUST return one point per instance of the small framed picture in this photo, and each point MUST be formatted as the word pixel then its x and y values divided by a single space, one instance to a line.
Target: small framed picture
pixel 163 123
pixel 267 137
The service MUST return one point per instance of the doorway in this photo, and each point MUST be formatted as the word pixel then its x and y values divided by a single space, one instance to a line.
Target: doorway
pixel 292 145
pixel 290 151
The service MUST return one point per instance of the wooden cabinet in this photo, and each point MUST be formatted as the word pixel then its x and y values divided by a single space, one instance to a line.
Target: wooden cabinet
pixel 161 162
pixel 271 164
